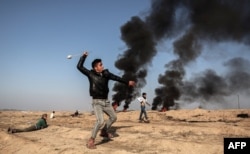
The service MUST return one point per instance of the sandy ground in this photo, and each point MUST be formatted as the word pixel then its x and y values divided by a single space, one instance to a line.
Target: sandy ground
pixel 193 131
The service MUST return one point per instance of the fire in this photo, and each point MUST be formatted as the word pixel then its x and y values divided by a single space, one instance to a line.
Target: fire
pixel 163 109
pixel 115 105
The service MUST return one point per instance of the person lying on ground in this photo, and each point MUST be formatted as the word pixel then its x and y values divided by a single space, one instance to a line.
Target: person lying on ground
pixel 41 123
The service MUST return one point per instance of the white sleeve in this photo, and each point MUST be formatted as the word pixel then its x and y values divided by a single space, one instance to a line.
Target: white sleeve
pixel 140 99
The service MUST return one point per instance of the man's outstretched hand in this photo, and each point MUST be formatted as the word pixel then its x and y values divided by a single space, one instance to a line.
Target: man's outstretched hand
pixel 131 83
pixel 85 53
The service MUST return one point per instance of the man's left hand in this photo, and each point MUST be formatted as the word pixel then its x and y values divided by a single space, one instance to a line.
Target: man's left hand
pixel 131 83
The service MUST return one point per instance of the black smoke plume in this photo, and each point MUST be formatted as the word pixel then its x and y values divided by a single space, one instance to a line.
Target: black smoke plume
pixel 134 61
pixel 211 86
pixel 210 20
pixel 203 21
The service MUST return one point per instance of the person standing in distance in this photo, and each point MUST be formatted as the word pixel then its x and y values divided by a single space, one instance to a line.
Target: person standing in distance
pixel 98 80
pixel 52 115
pixel 143 101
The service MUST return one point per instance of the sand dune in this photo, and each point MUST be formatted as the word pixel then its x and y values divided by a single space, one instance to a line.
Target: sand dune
pixel 177 131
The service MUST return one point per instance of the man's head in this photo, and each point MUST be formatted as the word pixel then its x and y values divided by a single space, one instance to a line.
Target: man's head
pixel 44 116
pixel 144 95
pixel 97 65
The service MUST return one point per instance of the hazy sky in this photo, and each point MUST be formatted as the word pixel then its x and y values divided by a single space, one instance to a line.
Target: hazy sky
pixel 37 35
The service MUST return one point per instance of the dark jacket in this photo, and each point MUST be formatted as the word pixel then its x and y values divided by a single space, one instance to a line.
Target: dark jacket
pixel 98 88
pixel 41 123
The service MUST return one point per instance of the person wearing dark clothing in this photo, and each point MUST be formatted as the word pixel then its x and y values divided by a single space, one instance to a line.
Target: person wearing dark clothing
pixel 41 123
pixel 75 114
pixel 98 80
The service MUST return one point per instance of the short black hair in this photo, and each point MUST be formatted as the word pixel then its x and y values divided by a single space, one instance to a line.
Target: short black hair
pixel 95 62
pixel 44 115
pixel 144 93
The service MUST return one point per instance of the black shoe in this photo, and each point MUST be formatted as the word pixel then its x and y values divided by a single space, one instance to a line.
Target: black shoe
pixel 10 130
pixel 105 134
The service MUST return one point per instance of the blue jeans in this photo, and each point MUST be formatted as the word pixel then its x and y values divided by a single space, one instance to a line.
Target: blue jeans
pixel 143 111
pixel 101 106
